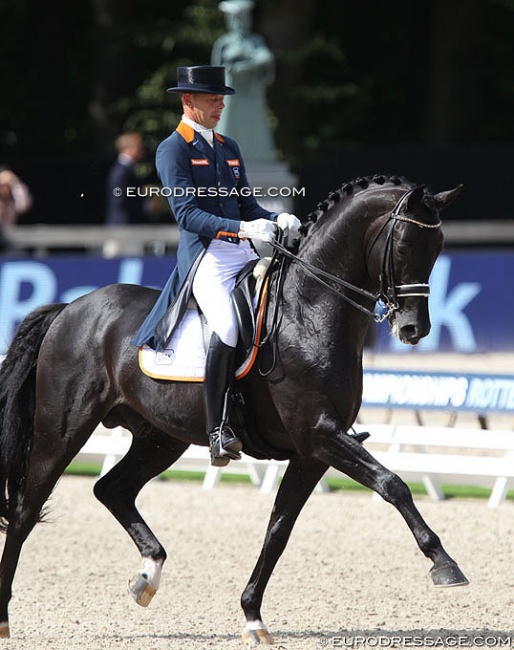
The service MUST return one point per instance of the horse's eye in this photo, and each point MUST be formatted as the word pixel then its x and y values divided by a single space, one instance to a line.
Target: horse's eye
pixel 403 249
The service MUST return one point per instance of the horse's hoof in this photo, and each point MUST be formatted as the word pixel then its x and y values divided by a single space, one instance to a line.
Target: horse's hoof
pixel 4 630
pixel 256 634
pixel 141 590
pixel 448 575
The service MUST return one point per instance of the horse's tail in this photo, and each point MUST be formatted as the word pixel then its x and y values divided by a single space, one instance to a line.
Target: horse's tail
pixel 17 404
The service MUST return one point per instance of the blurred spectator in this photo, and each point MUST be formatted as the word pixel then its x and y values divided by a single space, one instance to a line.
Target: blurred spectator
pixel 125 206
pixel 15 199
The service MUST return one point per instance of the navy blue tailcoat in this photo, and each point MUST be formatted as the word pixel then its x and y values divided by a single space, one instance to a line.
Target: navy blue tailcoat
pixel 209 195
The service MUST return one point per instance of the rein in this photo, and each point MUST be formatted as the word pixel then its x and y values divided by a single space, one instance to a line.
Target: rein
pixel 389 291
pixel 319 275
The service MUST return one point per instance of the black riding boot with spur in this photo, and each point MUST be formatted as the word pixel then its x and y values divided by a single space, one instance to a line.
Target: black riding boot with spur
pixel 219 375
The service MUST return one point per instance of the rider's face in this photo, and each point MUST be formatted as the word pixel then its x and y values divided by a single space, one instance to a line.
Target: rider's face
pixel 203 108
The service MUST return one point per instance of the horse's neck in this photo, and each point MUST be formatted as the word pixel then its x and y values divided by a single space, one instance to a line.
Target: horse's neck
pixel 335 246
pixel 314 310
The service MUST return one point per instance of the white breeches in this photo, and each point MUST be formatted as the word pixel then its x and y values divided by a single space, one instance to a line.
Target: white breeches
pixel 213 284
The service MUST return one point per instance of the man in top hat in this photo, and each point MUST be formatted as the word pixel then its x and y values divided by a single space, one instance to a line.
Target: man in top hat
pixel 205 177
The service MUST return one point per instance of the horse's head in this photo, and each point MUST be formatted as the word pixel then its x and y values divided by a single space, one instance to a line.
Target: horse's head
pixel 403 246
pixel 376 238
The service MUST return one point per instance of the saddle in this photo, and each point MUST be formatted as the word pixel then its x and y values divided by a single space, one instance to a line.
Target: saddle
pixel 246 298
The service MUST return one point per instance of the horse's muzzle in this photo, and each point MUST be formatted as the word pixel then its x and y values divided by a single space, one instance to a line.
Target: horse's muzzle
pixel 410 326
pixel 412 334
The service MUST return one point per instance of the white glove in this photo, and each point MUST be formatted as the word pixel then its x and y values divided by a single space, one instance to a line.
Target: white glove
pixel 289 224
pixel 260 229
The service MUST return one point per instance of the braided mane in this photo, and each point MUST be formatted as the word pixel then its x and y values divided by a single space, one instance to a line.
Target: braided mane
pixel 348 189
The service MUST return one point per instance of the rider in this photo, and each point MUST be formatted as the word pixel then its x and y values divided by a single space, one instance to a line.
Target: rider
pixel 204 175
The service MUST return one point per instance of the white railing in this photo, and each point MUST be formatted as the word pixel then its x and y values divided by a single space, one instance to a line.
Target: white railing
pixel 108 241
pixel 431 455
pixel 138 239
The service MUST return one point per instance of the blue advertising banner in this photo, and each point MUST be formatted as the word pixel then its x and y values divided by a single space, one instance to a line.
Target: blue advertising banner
pixel 419 390
pixel 471 302
pixel 28 283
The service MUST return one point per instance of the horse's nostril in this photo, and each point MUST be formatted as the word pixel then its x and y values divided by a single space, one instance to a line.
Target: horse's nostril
pixel 410 333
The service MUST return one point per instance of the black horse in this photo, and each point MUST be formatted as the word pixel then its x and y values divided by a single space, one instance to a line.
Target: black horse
pixel 71 367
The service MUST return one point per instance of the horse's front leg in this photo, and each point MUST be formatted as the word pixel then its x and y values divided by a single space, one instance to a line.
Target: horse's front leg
pixel 118 491
pixel 300 479
pixel 347 455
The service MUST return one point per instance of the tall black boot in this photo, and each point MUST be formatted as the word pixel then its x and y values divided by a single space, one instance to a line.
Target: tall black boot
pixel 219 376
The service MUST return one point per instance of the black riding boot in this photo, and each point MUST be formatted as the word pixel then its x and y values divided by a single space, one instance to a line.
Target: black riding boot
pixel 219 375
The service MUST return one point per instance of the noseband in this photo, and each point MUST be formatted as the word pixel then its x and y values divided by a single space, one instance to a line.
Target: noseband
pixel 389 292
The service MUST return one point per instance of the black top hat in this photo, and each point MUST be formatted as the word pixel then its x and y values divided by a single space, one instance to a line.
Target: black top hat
pixel 201 79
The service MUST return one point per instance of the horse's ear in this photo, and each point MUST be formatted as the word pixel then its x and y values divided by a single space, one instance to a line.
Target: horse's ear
pixel 444 199
pixel 415 197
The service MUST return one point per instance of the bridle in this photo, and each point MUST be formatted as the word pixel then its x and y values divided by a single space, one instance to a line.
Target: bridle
pixel 389 291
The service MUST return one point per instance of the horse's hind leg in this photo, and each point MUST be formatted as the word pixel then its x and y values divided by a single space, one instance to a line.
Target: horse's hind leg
pixel 44 470
pixel 118 491
pixel 300 479
pixel 18 531
pixel 348 456
pixel 15 537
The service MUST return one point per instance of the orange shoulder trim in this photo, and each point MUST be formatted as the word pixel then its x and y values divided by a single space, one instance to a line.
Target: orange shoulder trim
pixel 186 131
pixel 218 137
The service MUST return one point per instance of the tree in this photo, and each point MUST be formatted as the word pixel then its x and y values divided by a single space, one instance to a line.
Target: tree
pixel 347 73
pixel 457 71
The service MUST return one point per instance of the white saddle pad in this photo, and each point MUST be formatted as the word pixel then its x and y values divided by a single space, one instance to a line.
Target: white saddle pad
pixel 184 358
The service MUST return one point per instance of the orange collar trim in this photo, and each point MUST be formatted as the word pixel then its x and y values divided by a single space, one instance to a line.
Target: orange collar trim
pixel 186 131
